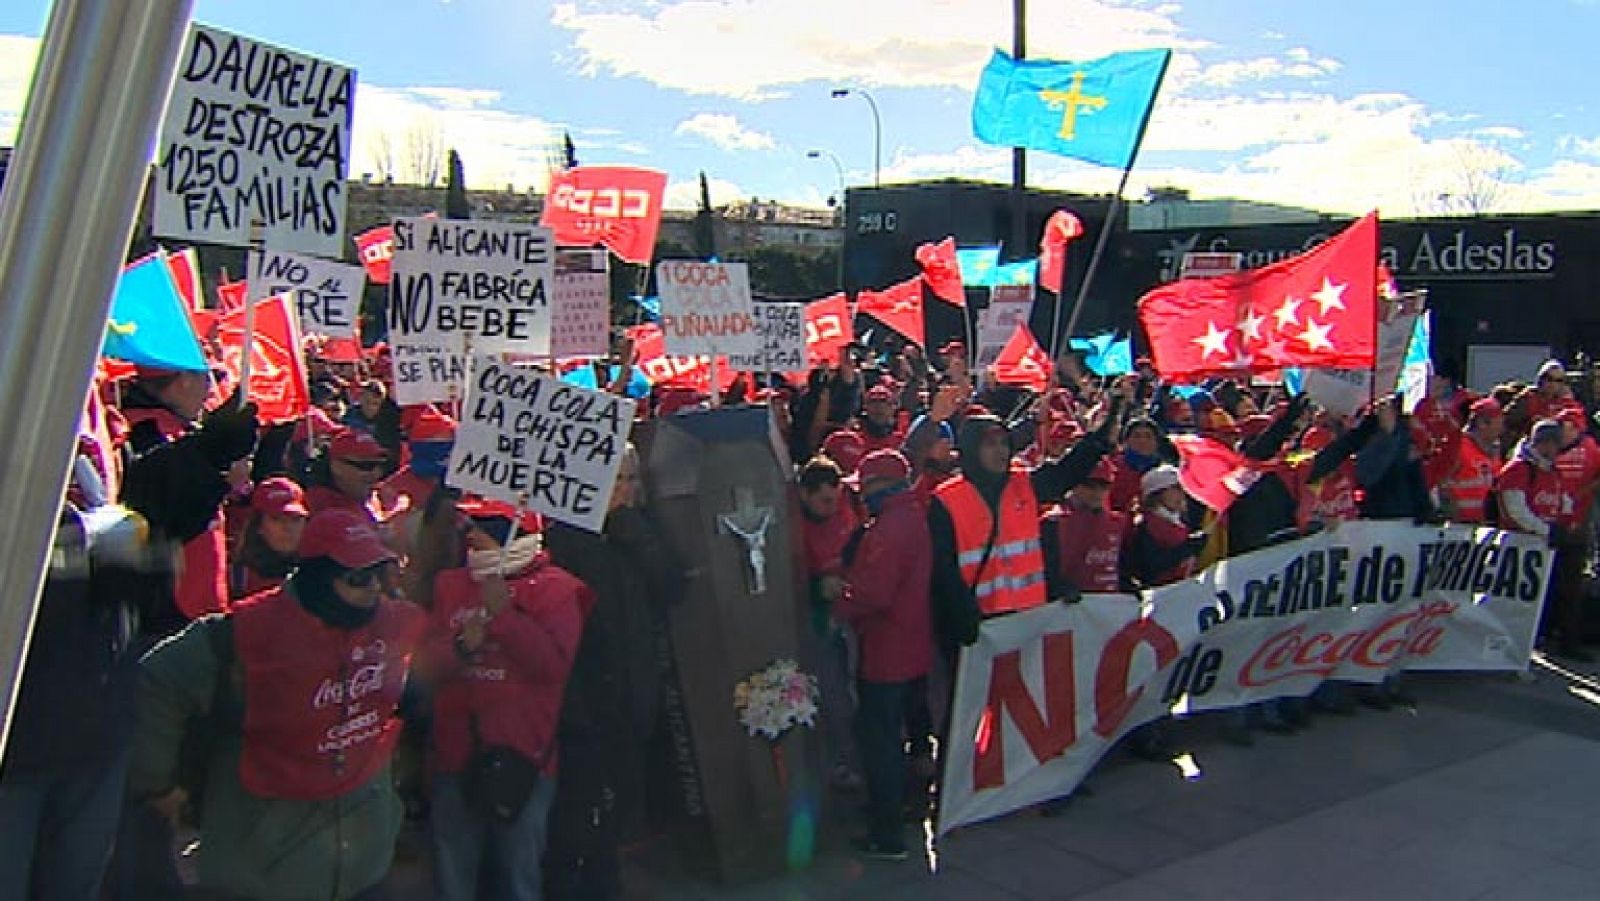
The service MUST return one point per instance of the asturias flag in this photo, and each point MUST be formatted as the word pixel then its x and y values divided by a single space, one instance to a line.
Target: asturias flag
pixel 1093 111
pixel 149 323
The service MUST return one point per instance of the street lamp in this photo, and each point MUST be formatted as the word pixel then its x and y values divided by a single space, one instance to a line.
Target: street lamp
pixel 838 167
pixel 877 129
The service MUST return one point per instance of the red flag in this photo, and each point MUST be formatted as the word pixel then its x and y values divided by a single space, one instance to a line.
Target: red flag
pixel 828 329
pixel 897 306
pixel 617 206
pixel 1023 362
pixel 185 267
pixel 1059 231
pixel 231 296
pixel 1211 472
pixel 1315 310
pixel 942 272
pixel 650 355
pixel 376 249
pixel 277 370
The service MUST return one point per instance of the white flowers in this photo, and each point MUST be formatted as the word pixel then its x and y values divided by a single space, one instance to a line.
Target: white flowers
pixel 775 699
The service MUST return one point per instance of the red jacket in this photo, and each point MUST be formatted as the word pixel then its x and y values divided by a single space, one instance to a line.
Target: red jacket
pixel 513 684
pixel 1579 467
pixel 889 600
pixel 320 702
pixel 1125 487
pixel 825 540
pixel 1089 543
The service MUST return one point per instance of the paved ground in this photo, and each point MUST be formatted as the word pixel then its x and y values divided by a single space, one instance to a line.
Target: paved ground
pixel 1488 789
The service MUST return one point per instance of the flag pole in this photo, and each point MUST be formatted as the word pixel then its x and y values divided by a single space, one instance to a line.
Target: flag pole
pixel 1105 230
pixel 255 258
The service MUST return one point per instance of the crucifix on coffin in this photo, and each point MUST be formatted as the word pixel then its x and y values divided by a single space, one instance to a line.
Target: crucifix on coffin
pixel 749 524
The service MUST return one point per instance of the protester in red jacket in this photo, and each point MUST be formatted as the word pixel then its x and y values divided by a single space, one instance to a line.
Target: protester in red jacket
pixel 1534 498
pixel 1162 549
pixel 887 602
pixel 347 477
pixel 268 548
pixel 1083 539
pixel 501 641
pixel 828 520
pixel 1465 493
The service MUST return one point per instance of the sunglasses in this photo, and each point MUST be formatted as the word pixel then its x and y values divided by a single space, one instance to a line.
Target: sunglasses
pixel 363 465
pixel 362 578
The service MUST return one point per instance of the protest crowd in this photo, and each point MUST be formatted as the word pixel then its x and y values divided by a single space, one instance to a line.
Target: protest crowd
pixel 281 650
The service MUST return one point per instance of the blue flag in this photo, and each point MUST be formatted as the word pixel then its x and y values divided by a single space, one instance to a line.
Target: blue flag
pixel 149 325
pixel 1093 111
pixel 638 386
pixel 1106 355
pixel 1021 272
pixel 650 305
pixel 978 265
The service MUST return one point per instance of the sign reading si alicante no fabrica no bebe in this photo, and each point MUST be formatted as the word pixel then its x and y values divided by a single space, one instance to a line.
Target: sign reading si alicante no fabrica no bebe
pixel 460 285
pixel 254 132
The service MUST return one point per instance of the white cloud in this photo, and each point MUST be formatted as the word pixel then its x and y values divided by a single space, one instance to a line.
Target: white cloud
pixel 724 131
pixel 1231 72
pixel 498 146
pixel 1580 146
pixel 17 54
pixel 684 194
pixel 752 49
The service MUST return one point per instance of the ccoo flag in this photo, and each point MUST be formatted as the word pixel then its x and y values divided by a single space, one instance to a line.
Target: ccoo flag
pixel 1093 111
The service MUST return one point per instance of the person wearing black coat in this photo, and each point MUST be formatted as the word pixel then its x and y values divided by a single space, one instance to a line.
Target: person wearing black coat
pixel 612 714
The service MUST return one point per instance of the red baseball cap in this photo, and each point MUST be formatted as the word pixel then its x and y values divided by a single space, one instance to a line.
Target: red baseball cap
pixel 354 444
pixel 1486 407
pixel 478 508
pixel 1316 438
pixel 884 463
pixel 345 537
pixel 1572 414
pixel 431 425
pixel 279 496
pixel 845 447
pixel 880 393
pixel 953 347
pixel 1103 472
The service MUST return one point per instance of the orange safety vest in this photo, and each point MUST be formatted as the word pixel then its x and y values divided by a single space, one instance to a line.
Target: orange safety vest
pixel 1472 481
pixel 1012 576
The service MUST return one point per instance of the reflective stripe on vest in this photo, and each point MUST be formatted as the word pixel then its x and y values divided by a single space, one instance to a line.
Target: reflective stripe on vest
pixel 1013 576
pixel 1472 481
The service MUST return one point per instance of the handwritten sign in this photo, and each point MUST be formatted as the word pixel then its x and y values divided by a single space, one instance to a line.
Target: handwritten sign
pixel 706 308
pixel 997 322
pixel 326 296
pixel 527 436
pixel 581 321
pixel 459 284
pixel 782 330
pixel 255 132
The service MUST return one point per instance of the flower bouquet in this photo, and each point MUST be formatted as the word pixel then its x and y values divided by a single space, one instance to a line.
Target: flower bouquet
pixel 772 701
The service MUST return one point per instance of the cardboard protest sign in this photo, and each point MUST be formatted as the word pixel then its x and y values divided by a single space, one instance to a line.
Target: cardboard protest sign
pixel 255 132
pixel 782 329
pixel 581 321
pixel 1344 391
pixel 997 322
pixel 456 285
pixel 526 437
pixel 706 308
pixel 326 296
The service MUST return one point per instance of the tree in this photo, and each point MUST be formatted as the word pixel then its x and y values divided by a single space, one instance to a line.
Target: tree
pixel 424 155
pixel 383 157
pixel 456 205
pixel 705 223
pixel 778 272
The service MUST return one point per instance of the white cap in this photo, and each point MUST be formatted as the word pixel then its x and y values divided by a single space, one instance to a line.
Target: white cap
pixel 1552 367
pixel 1158 479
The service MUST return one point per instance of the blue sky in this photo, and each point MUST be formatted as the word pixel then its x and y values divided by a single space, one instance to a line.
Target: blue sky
pixel 1406 105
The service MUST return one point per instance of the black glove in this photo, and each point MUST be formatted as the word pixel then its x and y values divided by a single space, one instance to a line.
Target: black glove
pixel 1559 536
pixel 1070 595
pixel 1298 405
pixel 1196 543
pixel 228 433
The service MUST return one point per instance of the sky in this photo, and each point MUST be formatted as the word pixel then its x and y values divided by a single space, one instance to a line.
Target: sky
pixel 1407 106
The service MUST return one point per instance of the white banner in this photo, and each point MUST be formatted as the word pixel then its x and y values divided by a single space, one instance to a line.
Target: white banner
pixel 255 132
pixel 327 296
pixel 781 328
pixel 527 438
pixel 706 308
pixel 457 284
pixel 581 321
pixel 1043 694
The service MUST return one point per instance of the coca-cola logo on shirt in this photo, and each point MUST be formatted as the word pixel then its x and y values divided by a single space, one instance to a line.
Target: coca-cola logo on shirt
pixel 1293 652
pixel 365 681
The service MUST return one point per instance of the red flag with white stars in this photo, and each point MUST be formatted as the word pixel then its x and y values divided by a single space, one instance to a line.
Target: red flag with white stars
pixel 1023 362
pixel 897 306
pixel 1059 231
pixel 942 271
pixel 1315 310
